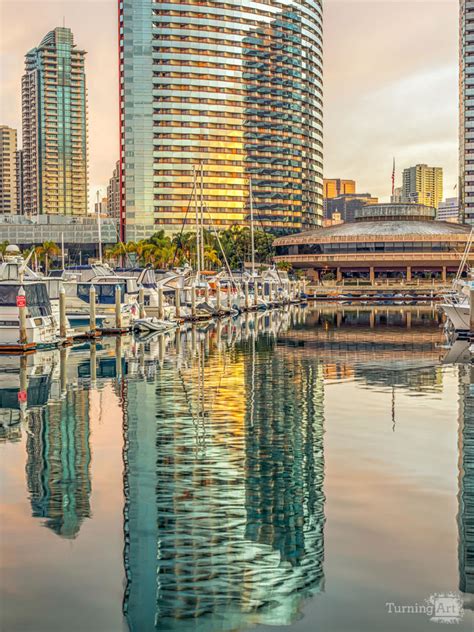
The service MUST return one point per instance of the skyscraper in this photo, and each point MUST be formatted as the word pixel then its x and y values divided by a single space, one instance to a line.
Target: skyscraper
pixel 113 193
pixel 55 126
pixel 236 89
pixel 466 111
pixel 333 187
pixel 423 185
pixel 8 177
pixel 20 198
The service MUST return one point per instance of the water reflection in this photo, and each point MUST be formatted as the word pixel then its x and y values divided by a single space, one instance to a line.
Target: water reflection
pixel 223 452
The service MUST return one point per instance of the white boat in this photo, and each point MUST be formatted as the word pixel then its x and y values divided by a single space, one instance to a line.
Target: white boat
pixel 457 304
pixel 154 325
pixel 15 279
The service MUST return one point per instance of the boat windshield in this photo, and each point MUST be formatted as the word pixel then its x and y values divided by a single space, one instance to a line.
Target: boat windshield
pixel 37 299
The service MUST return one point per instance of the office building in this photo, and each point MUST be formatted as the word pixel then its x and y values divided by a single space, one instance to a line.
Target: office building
pixel 423 185
pixel 448 211
pixel 55 127
pixel 397 196
pixel 113 193
pixel 237 89
pixel 466 111
pixel 347 205
pixel 334 187
pixel 8 178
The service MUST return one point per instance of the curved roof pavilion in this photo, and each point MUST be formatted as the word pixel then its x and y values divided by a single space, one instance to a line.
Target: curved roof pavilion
pixel 384 239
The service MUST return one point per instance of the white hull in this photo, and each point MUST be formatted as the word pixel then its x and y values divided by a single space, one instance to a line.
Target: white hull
pixel 458 315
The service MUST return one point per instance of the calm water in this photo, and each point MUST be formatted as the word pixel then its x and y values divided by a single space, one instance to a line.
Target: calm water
pixel 301 469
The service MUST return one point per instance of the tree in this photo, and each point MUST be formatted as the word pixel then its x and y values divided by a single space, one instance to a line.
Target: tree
pixel 285 266
pixel 46 252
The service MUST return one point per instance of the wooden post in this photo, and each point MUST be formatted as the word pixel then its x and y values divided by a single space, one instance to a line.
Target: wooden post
pixel 141 302
pixel 206 292
pixel 255 292
pixel 218 296
pixel 246 291
pixel 62 313
pixel 22 315
pixel 92 319
pixel 193 302
pixel 177 302
pixel 471 312
pixel 161 304
pixel 118 307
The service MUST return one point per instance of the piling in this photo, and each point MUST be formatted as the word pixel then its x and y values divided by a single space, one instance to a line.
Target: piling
pixel 141 302
pixel 206 292
pixel 21 302
pixel 193 302
pixel 218 296
pixel 246 290
pixel 161 304
pixel 92 319
pixel 62 314
pixel 118 307
pixel 177 302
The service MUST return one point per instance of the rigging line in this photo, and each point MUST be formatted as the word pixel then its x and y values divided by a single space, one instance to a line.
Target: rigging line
pixel 222 249
pixel 127 256
pixel 179 242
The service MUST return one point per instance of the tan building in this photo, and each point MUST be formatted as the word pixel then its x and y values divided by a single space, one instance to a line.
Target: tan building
pixel 54 114
pixel 423 185
pixel 8 175
pixel 113 193
pixel 333 187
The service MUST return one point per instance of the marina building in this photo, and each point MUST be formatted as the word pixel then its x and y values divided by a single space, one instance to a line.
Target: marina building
pixel 386 240
pixel 466 110
pixel 54 112
pixel 231 91
pixel 423 185
pixel 8 170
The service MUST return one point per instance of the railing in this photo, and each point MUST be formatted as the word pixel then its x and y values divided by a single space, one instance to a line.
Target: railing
pixel 403 259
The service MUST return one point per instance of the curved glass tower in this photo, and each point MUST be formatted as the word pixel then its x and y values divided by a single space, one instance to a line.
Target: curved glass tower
pixel 234 87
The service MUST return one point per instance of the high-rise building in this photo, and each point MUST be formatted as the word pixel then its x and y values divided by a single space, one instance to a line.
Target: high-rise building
pixel 235 89
pixel 423 185
pixel 448 211
pixel 333 187
pixel 8 178
pixel 55 126
pixel 347 205
pixel 113 193
pixel 466 110
pixel 20 184
pixel 397 196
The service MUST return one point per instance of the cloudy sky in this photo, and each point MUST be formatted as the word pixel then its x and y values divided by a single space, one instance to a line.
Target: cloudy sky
pixel 390 82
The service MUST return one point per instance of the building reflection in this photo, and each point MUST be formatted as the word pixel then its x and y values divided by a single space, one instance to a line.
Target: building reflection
pixel 223 485
pixel 466 479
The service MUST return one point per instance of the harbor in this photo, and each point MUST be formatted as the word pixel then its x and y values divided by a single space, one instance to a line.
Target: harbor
pixel 223 475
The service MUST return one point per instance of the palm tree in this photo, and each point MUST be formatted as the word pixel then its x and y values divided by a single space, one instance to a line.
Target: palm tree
pixel 47 251
pixel 211 255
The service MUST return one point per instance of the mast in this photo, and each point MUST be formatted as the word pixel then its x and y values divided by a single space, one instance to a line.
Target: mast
pixel 99 227
pixel 198 231
pixel 252 237
pixel 202 214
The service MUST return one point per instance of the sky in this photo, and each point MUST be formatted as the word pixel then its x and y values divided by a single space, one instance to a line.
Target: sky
pixel 390 83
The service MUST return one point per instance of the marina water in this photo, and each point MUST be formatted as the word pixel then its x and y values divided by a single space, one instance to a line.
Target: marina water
pixel 303 468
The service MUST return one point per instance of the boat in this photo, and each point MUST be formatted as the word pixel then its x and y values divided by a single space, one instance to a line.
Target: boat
pixel 457 303
pixel 19 284
pixel 152 324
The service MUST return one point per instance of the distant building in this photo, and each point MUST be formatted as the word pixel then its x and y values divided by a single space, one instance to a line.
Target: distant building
pixel 113 193
pixel 55 127
pixel 397 197
pixel 466 111
pixel 347 205
pixel 8 179
pixel 448 211
pixel 333 221
pixel 334 187
pixel 101 207
pixel 20 183
pixel 423 185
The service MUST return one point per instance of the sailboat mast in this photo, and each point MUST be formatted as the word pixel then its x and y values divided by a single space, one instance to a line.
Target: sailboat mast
pixel 252 236
pixel 202 214
pixel 99 228
pixel 198 231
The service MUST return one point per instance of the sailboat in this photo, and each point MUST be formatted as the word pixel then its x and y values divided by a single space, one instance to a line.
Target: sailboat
pixel 457 304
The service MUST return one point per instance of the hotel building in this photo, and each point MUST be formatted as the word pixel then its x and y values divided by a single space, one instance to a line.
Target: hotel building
pixel 55 127
pixel 234 88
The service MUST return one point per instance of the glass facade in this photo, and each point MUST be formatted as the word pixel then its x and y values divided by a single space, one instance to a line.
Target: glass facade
pixel 233 86
pixel 466 111
pixel 55 127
